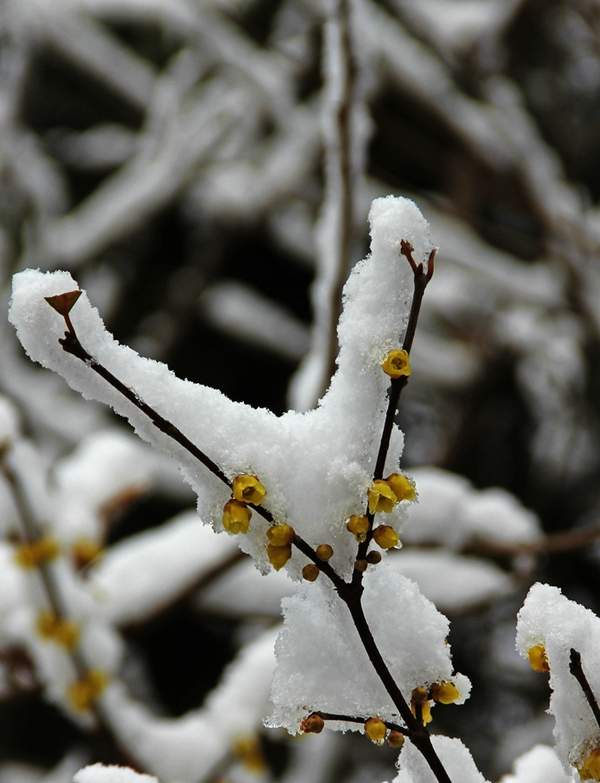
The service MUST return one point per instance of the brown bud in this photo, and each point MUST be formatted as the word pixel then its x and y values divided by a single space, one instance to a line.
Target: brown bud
pixel 63 303
pixel 374 557
pixel 395 739
pixel 310 572
pixel 360 565
pixel 312 724
pixel 324 552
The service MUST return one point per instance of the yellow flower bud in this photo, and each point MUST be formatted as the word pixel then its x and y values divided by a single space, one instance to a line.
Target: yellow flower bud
pixel 248 489
pixel 397 363
pixel 421 696
pixel 249 752
pixel 374 557
pixel 310 572
pixel 375 729
pixel 82 693
pixel 312 724
pixel 360 565
pixel 37 552
pixel 280 535
pixel 537 658
pixel 444 692
pixel 402 486
pixel 358 526
pixel 589 768
pixel 324 552
pixel 385 536
pixel 236 517
pixel 381 497
pixel 395 739
pixel 63 632
pixel 279 555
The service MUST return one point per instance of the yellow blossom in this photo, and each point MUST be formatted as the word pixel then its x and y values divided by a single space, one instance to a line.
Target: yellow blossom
pixel 279 555
pixel 381 497
pixel 444 692
pixel 40 551
pixel 358 526
pixel 248 489
pixel 324 552
pixel 83 692
pixel 589 768
pixel 537 658
pixel 385 536
pixel 63 632
pixel 397 363
pixel 402 486
pixel 375 729
pixel 249 752
pixel 280 535
pixel 236 517
pixel 421 696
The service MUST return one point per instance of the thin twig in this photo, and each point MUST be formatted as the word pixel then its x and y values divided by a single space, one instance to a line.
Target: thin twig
pixel 350 719
pixel 576 670
pixel 421 278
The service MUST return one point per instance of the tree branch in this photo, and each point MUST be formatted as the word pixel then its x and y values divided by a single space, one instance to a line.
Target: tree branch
pixel 576 670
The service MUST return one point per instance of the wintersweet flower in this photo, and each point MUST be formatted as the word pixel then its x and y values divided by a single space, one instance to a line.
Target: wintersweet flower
pixel 83 692
pixel 444 692
pixel 402 486
pixel 312 724
pixel 537 658
pixel 397 363
pixel 385 537
pixel 310 572
pixel 375 729
pixel 279 555
pixel 589 768
pixel 280 535
pixel 236 517
pixel 420 696
pixel 381 497
pixel 37 552
pixel 358 526
pixel 248 489
pixel 63 632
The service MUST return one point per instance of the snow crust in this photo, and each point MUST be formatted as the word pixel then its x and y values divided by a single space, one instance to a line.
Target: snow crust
pixel 316 466
pixel 455 757
pixel 322 665
pixel 549 618
pixel 99 773
pixel 538 765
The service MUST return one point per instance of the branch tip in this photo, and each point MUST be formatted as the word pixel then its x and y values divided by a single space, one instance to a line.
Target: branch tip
pixel 63 303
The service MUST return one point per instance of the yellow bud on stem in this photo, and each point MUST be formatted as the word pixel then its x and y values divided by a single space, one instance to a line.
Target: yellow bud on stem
pixel 402 486
pixel 280 535
pixel 397 363
pixel 279 555
pixel 236 517
pixel 444 692
pixel 375 729
pixel 589 768
pixel 358 526
pixel 310 572
pixel 83 692
pixel 324 552
pixel 37 552
pixel 381 497
pixel 537 658
pixel 248 489
pixel 395 739
pixel 385 536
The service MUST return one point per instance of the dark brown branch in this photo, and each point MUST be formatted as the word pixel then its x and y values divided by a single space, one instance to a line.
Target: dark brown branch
pixel 576 670
pixel 350 719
